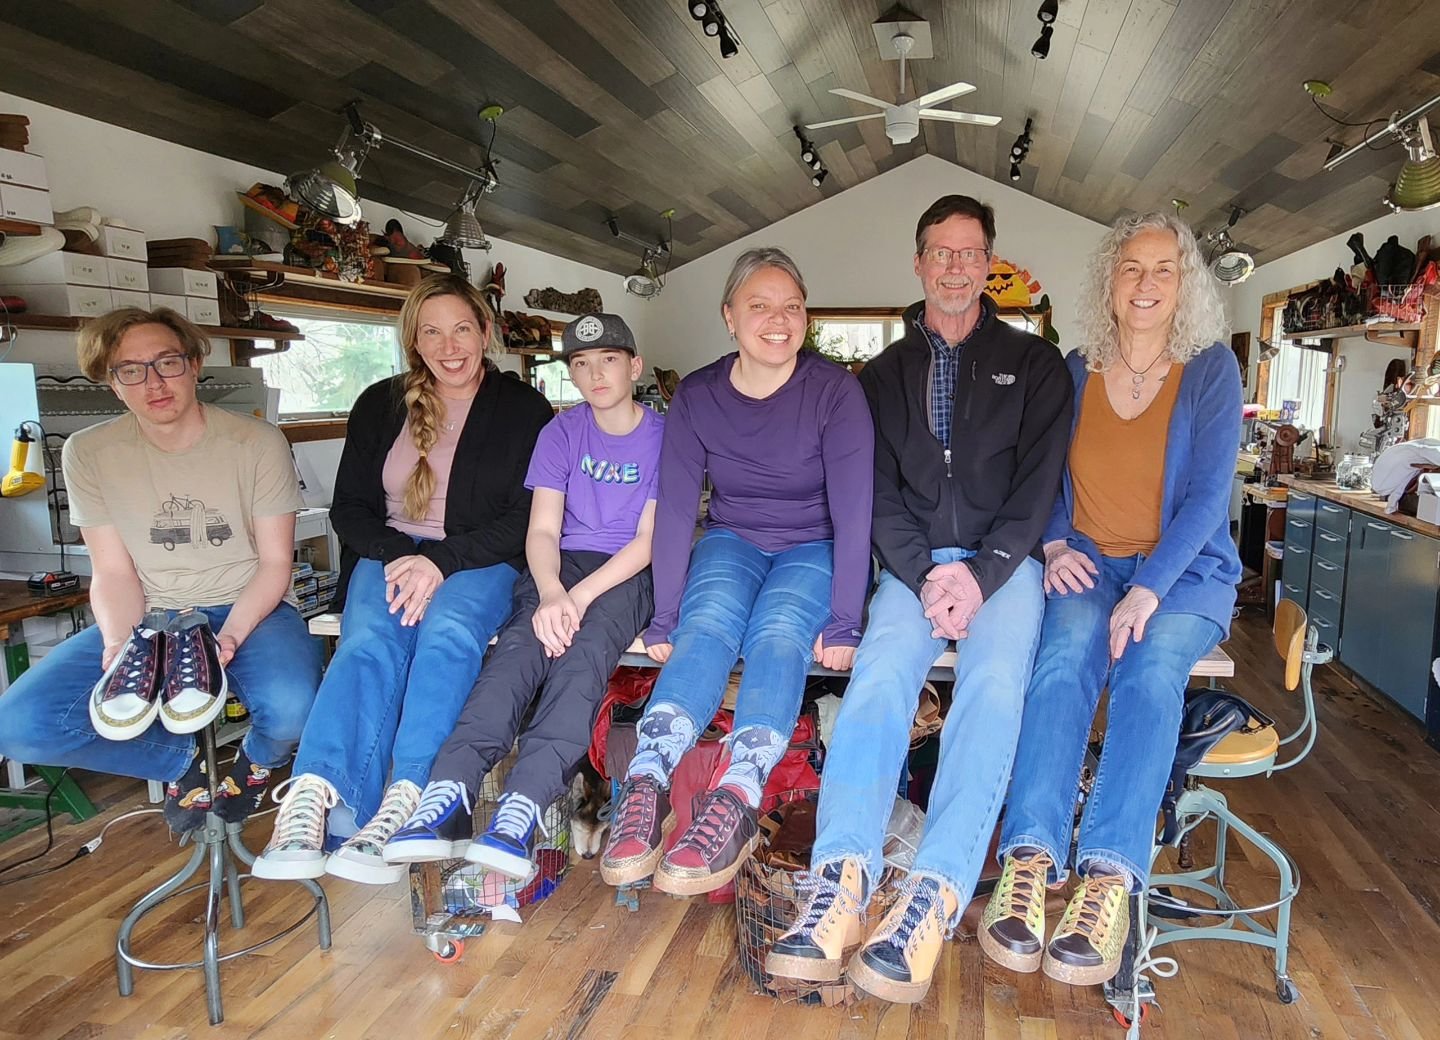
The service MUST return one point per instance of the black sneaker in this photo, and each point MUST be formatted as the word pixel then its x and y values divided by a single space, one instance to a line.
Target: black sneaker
pixel 187 800
pixel 195 684
pixel 241 790
pixel 127 698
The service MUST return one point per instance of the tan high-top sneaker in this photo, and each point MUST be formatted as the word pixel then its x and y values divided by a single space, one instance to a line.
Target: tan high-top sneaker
pixel 898 961
pixel 827 928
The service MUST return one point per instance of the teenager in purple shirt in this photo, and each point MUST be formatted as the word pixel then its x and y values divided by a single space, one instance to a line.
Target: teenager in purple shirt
pixel 778 577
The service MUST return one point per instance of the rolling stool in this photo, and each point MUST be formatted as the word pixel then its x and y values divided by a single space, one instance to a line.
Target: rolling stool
pixel 220 843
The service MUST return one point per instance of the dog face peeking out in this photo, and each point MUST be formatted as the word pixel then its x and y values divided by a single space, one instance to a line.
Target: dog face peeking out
pixel 591 819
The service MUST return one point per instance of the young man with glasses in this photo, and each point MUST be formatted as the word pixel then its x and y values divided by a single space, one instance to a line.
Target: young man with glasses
pixel 971 421
pixel 188 515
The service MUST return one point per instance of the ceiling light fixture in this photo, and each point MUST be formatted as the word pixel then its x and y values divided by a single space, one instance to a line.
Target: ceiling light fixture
pixel 649 277
pixel 1228 262
pixel 1049 11
pixel 1020 149
pixel 819 177
pixel 699 8
pixel 1417 183
pixel 712 23
pixel 810 156
pixel 1041 47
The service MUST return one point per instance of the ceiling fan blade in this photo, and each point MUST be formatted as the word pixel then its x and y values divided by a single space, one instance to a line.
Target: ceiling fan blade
pixel 959 117
pixel 839 122
pixel 935 97
pixel 855 95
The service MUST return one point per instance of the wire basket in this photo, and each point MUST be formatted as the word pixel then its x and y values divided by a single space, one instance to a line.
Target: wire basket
pixel 457 888
pixel 1403 303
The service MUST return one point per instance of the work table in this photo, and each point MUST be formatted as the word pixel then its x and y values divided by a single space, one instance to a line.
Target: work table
pixel 1362 501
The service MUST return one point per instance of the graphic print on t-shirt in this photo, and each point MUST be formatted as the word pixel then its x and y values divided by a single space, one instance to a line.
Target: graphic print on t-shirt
pixel 182 520
pixel 604 472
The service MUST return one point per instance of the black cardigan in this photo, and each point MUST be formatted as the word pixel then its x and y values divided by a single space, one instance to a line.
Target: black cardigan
pixel 487 507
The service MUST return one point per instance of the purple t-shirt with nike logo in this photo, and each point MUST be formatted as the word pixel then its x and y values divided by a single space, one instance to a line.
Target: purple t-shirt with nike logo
pixel 606 480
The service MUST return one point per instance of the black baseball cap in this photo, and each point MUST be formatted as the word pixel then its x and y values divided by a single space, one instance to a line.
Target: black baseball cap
pixel 596 332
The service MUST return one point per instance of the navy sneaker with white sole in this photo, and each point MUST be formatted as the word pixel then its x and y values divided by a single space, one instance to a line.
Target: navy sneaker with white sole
pixel 127 698
pixel 508 844
pixel 195 683
pixel 440 827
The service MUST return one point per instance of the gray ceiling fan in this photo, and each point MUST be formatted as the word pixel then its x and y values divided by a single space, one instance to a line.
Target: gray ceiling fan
pixel 902 118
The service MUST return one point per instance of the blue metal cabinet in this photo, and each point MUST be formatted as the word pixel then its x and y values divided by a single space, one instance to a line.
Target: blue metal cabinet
pixel 1299 541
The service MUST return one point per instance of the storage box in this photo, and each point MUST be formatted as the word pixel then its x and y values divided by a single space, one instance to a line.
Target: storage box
pixel 182 281
pixel 23 168
pixel 202 312
pixel 129 298
pixel 126 243
pixel 29 204
pixel 175 303
pixel 129 274
pixel 80 301
pixel 1428 506
pixel 59 268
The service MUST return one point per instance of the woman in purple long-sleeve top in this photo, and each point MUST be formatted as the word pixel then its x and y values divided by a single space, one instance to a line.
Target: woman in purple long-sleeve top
pixel 778 577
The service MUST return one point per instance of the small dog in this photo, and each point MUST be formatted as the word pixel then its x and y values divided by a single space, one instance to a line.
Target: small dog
pixel 591 818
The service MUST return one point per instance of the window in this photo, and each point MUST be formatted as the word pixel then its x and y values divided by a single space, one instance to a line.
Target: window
pixel 855 339
pixel 1298 373
pixel 339 357
pixel 552 378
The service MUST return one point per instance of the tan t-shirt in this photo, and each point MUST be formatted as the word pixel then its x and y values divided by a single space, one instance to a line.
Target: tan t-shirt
pixel 187 518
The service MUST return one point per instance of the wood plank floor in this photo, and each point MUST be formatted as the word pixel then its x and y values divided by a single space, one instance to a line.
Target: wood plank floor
pixel 1360 817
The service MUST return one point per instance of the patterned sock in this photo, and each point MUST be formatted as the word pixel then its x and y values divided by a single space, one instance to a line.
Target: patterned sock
pixel 754 751
pixel 666 733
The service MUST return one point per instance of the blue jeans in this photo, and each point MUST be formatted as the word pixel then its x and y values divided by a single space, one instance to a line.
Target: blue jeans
pixel 872 732
pixel 392 693
pixel 45 716
pixel 740 601
pixel 1147 695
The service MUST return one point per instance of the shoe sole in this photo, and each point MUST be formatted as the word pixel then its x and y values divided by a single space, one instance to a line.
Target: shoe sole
pixel 515 868
pixel 627 872
pixel 122 731
pixel 808 969
pixel 687 885
pixel 288 869
pixel 195 723
pixel 427 850
pixel 1025 963
pixel 1079 975
pixel 364 873
pixel 872 982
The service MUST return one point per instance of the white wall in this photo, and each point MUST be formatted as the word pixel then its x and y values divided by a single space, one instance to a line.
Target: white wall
pixel 856 250
pixel 1364 361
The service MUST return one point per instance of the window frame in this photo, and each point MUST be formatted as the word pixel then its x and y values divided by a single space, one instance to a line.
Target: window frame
pixel 303 426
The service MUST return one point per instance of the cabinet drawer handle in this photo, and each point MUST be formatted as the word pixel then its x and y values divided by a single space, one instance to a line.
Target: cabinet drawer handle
pixel 1331 509
pixel 1322 593
pixel 1291 588
pixel 1331 537
pixel 1322 622
pixel 1295 549
pixel 1299 523
pixel 1402 534
pixel 1324 566
pixel 1377 527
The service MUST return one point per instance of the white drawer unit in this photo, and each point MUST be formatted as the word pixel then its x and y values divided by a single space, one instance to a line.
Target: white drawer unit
pixel 77 301
pixel 202 312
pixel 28 204
pixel 125 243
pixel 23 168
pixel 56 268
pixel 183 281
pixel 129 274
pixel 175 303
pixel 130 298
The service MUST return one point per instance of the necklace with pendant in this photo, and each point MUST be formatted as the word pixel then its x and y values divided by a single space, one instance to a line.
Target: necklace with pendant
pixel 1137 378
pixel 448 427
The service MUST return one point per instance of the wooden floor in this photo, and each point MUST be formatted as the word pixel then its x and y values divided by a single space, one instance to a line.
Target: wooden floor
pixel 1360 817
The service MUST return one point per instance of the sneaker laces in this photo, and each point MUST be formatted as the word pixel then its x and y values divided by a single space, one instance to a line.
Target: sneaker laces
pixel 301 819
pixel 819 894
pixel 515 815
pixel 435 799
pixel 635 817
pixel 135 661
pixel 1027 883
pixel 922 896
pixel 188 656
pixel 1086 916
pixel 717 819
pixel 395 808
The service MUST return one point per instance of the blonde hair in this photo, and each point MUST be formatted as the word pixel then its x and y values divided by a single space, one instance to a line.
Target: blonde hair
pixel 100 338
pixel 1199 318
pixel 423 405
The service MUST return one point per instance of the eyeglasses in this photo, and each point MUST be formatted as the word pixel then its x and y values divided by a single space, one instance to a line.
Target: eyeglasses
pixel 166 366
pixel 942 256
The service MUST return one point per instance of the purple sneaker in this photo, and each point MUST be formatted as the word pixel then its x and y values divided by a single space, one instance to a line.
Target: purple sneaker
pixel 127 698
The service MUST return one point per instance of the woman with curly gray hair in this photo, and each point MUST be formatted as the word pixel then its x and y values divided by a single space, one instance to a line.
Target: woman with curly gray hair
pixel 1140 577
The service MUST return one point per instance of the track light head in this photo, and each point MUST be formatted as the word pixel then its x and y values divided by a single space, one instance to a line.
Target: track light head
pixel 1014 171
pixel 1049 11
pixel 1041 49
pixel 710 24
pixel 819 177
pixel 1017 151
pixel 699 8
pixel 807 154
pixel 728 47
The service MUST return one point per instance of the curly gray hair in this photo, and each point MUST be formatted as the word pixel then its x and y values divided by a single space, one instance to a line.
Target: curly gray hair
pixel 1199 317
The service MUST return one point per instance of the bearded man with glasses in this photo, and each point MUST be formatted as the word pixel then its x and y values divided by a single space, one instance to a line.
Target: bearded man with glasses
pixel 971 417
pixel 188 515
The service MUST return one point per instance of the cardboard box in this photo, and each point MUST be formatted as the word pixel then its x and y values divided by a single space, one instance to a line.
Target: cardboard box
pixel 126 243
pixel 59 268
pixel 175 303
pixel 129 274
pixel 182 281
pixel 79 301
pixel 28 204
pixel 202 311
pixel 128 298
pixel 23 168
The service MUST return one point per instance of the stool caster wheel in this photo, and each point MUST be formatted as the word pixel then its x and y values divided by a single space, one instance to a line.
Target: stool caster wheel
pixel 1286 991
pixel 451 952
pixel 1125 1020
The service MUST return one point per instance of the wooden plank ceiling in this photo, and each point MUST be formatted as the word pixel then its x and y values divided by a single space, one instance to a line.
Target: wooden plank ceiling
pixel 625 107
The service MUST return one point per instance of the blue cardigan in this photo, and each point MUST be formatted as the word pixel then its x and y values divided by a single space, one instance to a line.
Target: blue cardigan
pixel 1195 567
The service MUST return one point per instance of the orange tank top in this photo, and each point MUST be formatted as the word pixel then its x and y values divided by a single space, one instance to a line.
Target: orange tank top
pixel 1117 468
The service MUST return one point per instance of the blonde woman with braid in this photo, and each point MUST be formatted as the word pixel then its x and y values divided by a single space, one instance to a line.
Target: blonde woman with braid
pixel 431 510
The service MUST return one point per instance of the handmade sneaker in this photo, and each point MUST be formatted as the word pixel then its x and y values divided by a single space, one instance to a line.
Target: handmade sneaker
pixel 297 848
pixel 1090 938
pixel 898 961
pixel 241 790
pixel 187 800
pixel 440 827
pixel 195 684
pixel 362 857
pixel 127 698
pixel 508 843
pixel 1012 929
pixel 827 928
pixel 638 828
pixel 723 833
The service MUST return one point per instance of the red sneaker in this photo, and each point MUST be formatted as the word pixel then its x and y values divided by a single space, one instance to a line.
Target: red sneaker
pixel 638 830
pixel 722 835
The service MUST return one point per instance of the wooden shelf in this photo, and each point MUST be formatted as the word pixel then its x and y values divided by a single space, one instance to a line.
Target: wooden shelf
pixel 61 323
pixel 19 227
pixel 1344 331
pixel 265 270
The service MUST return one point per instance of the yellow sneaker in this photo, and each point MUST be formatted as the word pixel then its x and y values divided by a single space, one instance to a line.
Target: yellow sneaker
pixel 826 929
pixel 898 961
pixel 1012 930
pixel 1090 938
